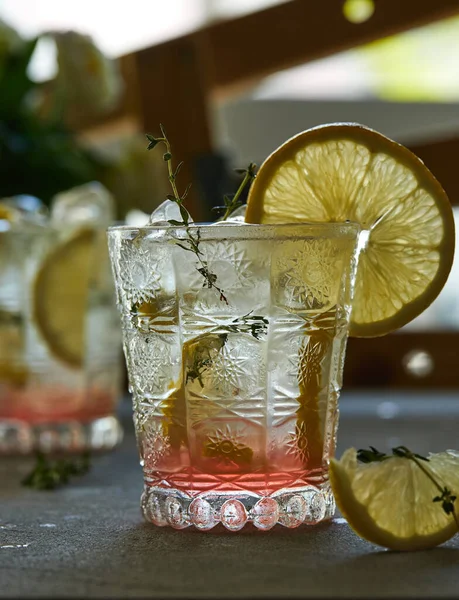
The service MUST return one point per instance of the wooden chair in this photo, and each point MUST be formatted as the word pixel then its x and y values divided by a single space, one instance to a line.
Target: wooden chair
pixel 177 81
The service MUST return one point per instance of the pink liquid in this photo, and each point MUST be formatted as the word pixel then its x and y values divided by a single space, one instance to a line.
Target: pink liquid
pixel 226 476
pixel 194 482
pixel 56 404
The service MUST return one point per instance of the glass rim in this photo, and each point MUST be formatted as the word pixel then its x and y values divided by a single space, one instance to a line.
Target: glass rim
pixel 50 231
pixel 247 230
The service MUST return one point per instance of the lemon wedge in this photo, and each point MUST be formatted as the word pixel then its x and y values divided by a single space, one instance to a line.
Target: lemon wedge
pixel 343 171
pixel 390 503
pixel 60 298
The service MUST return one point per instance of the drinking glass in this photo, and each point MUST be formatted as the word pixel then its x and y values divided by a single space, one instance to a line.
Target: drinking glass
pixel 234 337
pixel 60 345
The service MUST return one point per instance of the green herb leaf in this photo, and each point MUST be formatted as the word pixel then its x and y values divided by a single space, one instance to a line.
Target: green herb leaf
pixel 372 455
pixel 404 452
pixel 192 243
pixel 446 498
pixel 177 169
pixel 253 324
pixel 218 210
pixel 234 202
pixel 185 214
pixel 185 193
pixel 421 457
pixel 47 475
pixel 153 141
pixel 182 246
pixel 252 170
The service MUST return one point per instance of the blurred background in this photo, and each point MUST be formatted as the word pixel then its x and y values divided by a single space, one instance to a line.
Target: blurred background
pixel 80 84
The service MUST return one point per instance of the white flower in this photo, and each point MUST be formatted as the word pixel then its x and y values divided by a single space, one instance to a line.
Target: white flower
pixel 89 80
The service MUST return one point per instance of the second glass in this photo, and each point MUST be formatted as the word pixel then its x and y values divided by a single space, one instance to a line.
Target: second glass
pixel 234 337
pixel 60 346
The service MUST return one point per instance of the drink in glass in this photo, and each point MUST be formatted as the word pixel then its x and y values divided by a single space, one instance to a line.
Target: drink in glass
pixel 235 357
pixel 60 345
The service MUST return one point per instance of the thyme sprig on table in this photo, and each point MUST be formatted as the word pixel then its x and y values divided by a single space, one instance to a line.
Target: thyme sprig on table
pixel 446 496
pixel 191 244
pixel 48 475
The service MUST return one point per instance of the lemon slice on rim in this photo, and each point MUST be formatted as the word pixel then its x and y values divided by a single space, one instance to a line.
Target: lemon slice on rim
pixel 390 503
pixel 343 171
pixel 60 299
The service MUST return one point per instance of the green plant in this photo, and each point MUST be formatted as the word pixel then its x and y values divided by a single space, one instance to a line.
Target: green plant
pixel 38 154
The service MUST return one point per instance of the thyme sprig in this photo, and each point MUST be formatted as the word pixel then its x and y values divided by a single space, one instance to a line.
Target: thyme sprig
pixel 191 244
pixel 234 201
pixel 372 455
pixel 446 496
pixel 49 475
pixel 200 364
pixel 255 325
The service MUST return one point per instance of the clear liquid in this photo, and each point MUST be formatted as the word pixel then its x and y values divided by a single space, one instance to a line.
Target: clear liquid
pixel 252 415
pixel 219 407
pixel 42 397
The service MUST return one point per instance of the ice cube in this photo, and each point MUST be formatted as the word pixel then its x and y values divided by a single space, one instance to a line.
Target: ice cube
pixel 22 211
pixel 88 203
pixel 238 216
pixel 136 218
pixel 29 205
pixel 166 212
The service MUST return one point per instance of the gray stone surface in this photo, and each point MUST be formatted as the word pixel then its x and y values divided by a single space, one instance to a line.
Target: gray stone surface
pixel 89 540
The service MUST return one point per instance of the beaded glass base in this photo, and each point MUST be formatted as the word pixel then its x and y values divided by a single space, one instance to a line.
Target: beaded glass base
pixel 235 389
pixel 20 437
pixel 290 507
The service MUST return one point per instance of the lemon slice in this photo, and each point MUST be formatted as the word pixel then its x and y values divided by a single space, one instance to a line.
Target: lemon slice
pixel 390 503
pixel 12 369
pixel 61 296
pixel 345 172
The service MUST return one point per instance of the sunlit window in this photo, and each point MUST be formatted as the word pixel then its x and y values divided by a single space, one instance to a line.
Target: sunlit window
pixel 234 8
pixel 117 27
pixel 419 65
